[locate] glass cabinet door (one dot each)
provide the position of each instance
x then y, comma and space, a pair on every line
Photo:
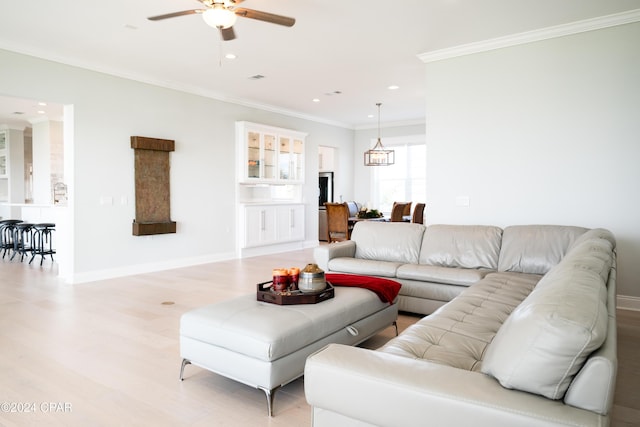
284, 160
297, 160
269, 156
253, 155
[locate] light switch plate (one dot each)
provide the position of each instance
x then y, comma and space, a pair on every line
462, 201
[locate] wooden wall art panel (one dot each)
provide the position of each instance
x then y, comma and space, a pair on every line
152, 179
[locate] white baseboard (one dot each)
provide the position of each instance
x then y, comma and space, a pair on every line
625, 302
311, 243
92, 276
270, 249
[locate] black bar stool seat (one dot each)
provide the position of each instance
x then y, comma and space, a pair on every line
22, 239
7, 230
43, 241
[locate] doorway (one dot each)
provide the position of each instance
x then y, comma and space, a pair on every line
37, 168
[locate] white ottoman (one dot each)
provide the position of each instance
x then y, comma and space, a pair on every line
265, 345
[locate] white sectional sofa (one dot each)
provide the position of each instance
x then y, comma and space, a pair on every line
523, 332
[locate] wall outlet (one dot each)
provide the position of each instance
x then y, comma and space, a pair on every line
106, 200
462, 201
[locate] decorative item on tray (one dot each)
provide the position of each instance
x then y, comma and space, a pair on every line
295, 286
280, 279
369, 213
294, 277
285, 279
312, 279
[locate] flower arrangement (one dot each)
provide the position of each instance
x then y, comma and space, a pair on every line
369, 213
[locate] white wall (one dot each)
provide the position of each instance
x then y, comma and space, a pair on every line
107, 111
41, 154
547, 132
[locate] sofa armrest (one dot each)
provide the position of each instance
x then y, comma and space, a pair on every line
388, 390
323, 253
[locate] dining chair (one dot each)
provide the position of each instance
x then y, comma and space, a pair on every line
353, 208
418, 213
397, 211
337, 222
407, 209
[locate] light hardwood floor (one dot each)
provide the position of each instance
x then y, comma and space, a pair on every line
106, 353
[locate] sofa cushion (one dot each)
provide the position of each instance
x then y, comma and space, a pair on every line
429, 291
368, 267
546, 340
595, 233
388, 241
465, 246
448, 275
457, 333
535, 249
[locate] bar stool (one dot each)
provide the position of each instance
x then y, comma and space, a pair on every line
7, 229
22, 239
43, 241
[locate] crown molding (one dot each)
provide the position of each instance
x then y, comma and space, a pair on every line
11, 126
143, 78
533, 36
388, 125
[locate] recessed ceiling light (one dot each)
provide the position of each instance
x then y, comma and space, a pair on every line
370, 116
41, 112
316, 100
42, 104
230, 56
393, 87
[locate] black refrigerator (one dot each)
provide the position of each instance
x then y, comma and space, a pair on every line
325, 194
325, 184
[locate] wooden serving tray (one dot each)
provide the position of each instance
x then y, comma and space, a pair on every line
265, 294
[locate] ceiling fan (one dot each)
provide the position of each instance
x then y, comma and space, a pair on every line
222, 14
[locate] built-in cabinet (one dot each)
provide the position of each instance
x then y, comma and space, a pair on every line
11, 166
270, 178
269, 154
272, 224
4, 178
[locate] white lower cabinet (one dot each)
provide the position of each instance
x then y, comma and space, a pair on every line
260, 226
272, 224
290, 224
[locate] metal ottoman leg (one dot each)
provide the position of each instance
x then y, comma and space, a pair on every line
270, 396
185, 362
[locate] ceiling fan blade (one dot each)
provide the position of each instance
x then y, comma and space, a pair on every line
265, 16
175, 14
227, 33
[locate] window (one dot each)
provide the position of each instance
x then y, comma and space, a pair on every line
404, 181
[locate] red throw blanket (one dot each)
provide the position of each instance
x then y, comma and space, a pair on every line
386, 289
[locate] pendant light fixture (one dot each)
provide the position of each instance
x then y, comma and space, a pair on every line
378, 155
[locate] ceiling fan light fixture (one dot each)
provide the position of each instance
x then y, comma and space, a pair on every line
378, 155
218, 16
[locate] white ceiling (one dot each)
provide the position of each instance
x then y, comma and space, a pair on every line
355, 47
